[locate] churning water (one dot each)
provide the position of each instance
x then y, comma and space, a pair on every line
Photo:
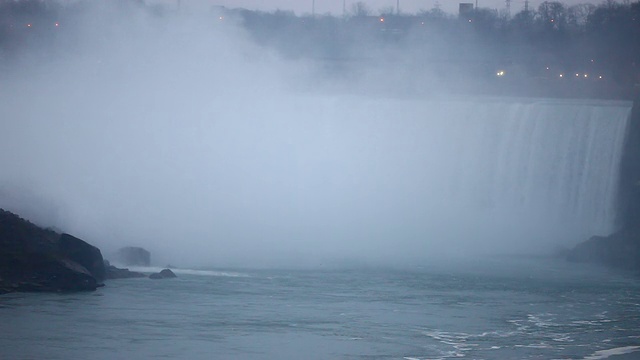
501, 308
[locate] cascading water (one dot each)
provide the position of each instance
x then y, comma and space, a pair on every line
325, 176
522, 174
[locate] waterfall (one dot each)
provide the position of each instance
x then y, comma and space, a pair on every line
524, 172
328, 175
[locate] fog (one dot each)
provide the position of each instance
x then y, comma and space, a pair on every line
181, 135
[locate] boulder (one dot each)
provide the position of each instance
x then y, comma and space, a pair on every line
113, 272
164, 274
84, 254
133, 256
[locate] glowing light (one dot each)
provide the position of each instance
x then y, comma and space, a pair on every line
586, 75
57, 24
547, 68
561, 75
381, 19
28, 25
470, 20
600, 77
577, 74
221, 18
500, 73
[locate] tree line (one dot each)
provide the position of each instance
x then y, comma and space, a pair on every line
554, 41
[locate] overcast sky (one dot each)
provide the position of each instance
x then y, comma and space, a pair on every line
335, 6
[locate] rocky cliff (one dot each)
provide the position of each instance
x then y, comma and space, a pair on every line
37, 259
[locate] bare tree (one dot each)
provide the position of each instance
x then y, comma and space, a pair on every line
434, 13
360, 9
552, 15
578, 14
387, 11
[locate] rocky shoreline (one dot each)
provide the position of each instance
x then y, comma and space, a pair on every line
33, 259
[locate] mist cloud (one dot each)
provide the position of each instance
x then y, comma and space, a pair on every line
179, 134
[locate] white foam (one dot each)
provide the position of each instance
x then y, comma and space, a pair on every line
152, 269
562, 338
605, 354
541, 345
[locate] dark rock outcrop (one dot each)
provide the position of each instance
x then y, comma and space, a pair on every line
44, 272
84, 254
164, 274
113, 272
620, 250
133, 256
35, 259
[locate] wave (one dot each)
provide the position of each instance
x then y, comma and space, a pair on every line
605, 354
154, 269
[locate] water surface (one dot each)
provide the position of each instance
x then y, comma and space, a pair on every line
501, 308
